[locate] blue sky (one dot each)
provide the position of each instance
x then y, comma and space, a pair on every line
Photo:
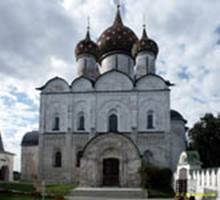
38, 39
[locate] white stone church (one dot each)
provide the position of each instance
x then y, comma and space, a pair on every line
112, 119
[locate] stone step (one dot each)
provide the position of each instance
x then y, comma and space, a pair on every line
107, 193
101, 198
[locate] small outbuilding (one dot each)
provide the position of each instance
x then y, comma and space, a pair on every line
6, 163
29, 156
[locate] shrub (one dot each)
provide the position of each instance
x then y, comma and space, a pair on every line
157, 178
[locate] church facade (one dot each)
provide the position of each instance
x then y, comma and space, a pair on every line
112, 119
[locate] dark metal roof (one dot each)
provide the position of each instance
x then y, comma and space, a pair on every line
86, 46
145, 44
116, 38
30, 139
174, 115
51, 80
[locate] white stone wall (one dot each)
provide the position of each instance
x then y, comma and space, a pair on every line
51, 144
178, 144
205, 180
153, 100
155, 143
54, 104
201, 181
29, 162
113, 92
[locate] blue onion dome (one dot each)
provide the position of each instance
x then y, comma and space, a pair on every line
145, 44
86, 46
116, 38
30, 139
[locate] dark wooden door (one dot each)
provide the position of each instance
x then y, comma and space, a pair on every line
4, 173
181, 186
111, 172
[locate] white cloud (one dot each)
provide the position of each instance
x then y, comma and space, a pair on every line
38, 41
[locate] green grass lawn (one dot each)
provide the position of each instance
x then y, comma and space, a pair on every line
21, 187
18, 197
59, 190
51, 190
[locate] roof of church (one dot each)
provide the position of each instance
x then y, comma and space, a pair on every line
30, 139
2, 150
175, 115
117, 37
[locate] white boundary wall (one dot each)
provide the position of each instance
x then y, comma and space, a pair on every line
200, 182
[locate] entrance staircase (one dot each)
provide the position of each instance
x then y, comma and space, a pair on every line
107, 194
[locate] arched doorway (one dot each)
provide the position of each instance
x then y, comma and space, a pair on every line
111, 172
110, 159
4, 173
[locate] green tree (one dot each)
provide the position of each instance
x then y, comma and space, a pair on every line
205, 138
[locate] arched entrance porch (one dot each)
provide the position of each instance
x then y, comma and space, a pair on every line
110, 160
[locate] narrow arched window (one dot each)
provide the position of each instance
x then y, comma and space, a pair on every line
58, 159
150, 120
116, 62
113, 123
78, 158
81, 122
56, 123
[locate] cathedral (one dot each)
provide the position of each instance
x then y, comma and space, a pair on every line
114, 117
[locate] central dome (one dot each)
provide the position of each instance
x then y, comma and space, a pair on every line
117, 38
